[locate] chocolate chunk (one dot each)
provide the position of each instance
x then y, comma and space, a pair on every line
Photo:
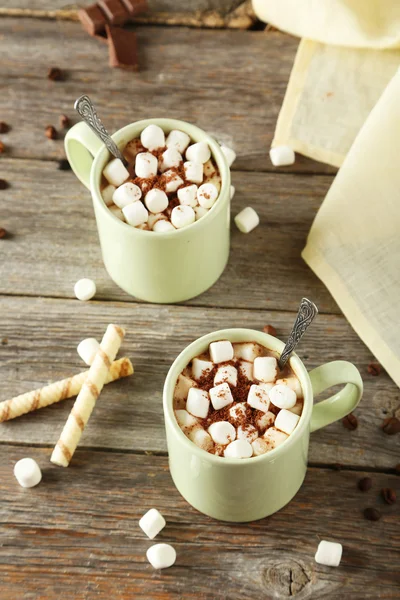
51, 132
365, 484
122, 48
350, 422
55, 74
374, 369
391, 426
4, 128
389, 495
114, 11
92, 19
372, 514
3, 232
135, 7
3, 184
270, 329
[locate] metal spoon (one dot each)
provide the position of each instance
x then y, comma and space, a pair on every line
306, 315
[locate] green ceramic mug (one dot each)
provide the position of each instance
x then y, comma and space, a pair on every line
242, 490
157, 267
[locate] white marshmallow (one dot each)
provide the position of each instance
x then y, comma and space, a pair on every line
293, 383
152, 523
156, 200
182, 387
247, 351
170, 158
172, 181
286, 421
227, 373
265, 368
186, 421
297, 408
282, 396
230, 154
135, 214
200, 367
117, 212
222, 432
188, 195
221, 396
198, 402
115, 172
161, 556
163, 226
85, 289
260, 446
246, 369
232, 191
154, 217
152, 137
239, 449
265, 421
266, 386
329, 553
274, 437
247, 220
248, 433
178, 140
126, 194
281, 156
201, 438
258, 398
209, 170
199, 152
27, 472
200, 212
221, 351
182, 216
237, 412
193, 171
107, 194
146, 165
207, 195
87, 350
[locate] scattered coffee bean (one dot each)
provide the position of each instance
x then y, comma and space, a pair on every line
64, 165
3, 184
3, 232
270, 329
4, 341
391, 426
55, 74
4, 128
389, 495
64, 121
374, 369
372, 514
350, 422
2, 147
51, 132
365, 484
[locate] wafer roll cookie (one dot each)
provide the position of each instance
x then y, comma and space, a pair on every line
90, 391
59, 390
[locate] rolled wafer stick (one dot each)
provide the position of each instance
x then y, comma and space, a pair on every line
90, 391
59, 390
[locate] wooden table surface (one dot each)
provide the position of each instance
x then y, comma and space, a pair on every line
76, 535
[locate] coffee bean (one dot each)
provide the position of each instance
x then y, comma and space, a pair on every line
270, 329
3, 232
350, 422
55, 74
51, 132
3, 184
372, 514
374, 369
64, 165
388, 495
391, 426
64, 121
365, 484
4, 128
2, 147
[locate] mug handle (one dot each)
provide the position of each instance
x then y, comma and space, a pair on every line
341, 404
81, 145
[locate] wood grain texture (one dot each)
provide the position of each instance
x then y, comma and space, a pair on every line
77, 532
43, 335
232, 85
55, 241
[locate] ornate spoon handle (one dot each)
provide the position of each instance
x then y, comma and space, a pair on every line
87, 111
306, 315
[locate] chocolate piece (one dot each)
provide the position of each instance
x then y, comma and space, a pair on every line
4, 127
51, 132
122, 48
135, 7
92, 19
114, 11
55, 74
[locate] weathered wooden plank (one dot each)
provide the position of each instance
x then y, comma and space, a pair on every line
235, 92
43, 335
76, 535
55, 241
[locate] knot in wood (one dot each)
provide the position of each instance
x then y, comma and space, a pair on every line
288, 578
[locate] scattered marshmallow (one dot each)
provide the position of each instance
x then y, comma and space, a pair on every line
239, 449
237, 412
247, 220
198, 402
87, 350
286, 421
154, 217
246, 369
227, 373
126, 194
115, 172
188, 195
178, 140
221, 396
221, 351
107, 194
232, 191
193, 171
265, 368
293, 383
297, 408
258, 398
207, 195
152, 523
329, 553
230, 155
186, 421
200, 367
200, 212
198, 153
222, 432
152, 137
85, 289
266, 420
117, 212
182, 387
146, 165
170, 158
135, 214
172, 181
163, 226
281, 156
201, 438
247, 351
27, 472
182, 216
274, 437
156, 201
248, 433
161, 556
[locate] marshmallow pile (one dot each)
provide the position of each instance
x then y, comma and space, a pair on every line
232, 401
177, 182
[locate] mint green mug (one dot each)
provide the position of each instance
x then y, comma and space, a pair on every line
157, 267
248, 489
